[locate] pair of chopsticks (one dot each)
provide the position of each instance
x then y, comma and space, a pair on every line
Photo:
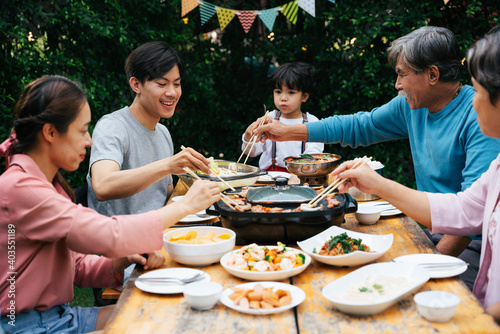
228, 201
215, 173
336, 182
253, 139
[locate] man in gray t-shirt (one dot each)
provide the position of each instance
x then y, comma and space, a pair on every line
132, 160
121, 138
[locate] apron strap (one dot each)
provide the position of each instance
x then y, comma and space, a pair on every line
273, 157
304, 121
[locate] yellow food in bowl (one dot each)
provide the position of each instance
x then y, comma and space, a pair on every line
192, 238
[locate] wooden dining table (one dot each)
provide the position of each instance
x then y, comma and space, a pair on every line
141, 312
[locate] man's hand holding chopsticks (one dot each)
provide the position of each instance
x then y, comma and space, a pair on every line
188, 157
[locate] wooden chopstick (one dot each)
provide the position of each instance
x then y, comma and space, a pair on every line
215, 173
337, 182
252, 141
225, 199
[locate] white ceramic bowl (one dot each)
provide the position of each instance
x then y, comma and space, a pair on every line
199, 255
265, 275
437, 306
202, 295
379, 244
415, 276
367, 214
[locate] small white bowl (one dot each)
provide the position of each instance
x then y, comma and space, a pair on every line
367, 214
199, 255
202, 295
437, 306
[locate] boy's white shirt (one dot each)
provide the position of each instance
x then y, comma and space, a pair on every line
283, 149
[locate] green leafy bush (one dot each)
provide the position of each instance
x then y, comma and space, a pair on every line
225, 85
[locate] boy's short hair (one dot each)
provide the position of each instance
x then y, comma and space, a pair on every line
151, 61
298, 76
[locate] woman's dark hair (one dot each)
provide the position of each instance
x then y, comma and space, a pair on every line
298, 76
50, 99
483, 59
151, 61
428, 46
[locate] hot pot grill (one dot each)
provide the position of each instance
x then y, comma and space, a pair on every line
288, 227
311, 172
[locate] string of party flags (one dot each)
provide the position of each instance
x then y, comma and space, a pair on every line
247, 17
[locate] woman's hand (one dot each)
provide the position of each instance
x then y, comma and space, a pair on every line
151, 260
364, 178
201, 195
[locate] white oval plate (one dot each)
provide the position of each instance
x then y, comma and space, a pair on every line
265, 275
386, 208
435, 258
298, 296
379, 244
412, 273
168, 288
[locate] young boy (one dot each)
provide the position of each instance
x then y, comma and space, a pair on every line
292, 84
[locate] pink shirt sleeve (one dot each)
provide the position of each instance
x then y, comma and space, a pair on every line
462, 213
45, 215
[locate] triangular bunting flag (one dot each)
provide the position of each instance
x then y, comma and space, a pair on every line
446, 1
225, 16
207, 10
309, 6
332, 1
290, 11
268, 16
187, 6
246, 18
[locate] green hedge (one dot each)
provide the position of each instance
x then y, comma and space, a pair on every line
225, 84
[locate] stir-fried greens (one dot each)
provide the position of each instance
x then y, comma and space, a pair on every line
342, 244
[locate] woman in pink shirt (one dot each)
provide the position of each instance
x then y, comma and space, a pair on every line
48, 242
477, 209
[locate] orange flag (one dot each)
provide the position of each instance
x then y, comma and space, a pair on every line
187, 6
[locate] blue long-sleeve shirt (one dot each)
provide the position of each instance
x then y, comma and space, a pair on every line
448, 149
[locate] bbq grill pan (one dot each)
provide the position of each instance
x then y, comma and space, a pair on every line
287, 227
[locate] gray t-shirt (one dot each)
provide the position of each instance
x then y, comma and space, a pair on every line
120, 137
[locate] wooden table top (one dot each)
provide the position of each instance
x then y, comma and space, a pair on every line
142, 312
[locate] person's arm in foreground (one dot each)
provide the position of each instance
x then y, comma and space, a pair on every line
412, 202
109, 182
275, 130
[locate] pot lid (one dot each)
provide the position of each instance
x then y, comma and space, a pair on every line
280, 193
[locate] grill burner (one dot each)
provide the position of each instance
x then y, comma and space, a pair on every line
314, 179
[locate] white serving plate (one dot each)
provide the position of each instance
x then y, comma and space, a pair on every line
168, 288
379, 244
412, 273
386, 208
298, 296
435, 272
265, 275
